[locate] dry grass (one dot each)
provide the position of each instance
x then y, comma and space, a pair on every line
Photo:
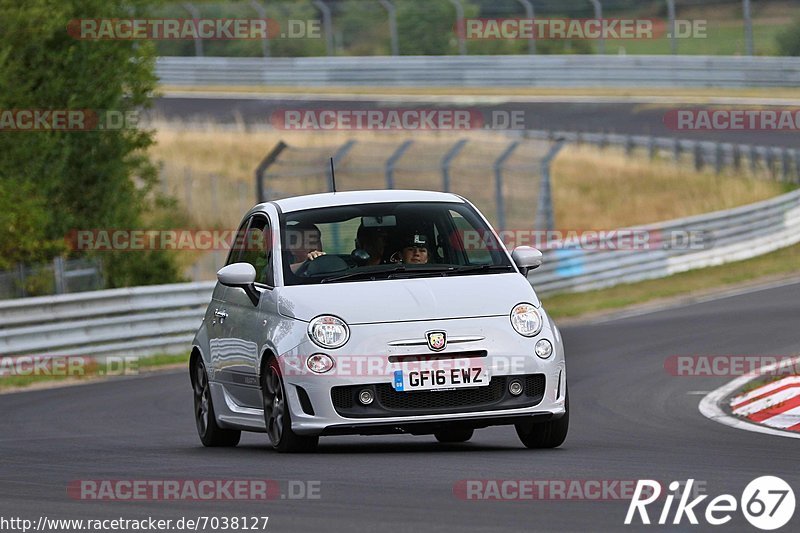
594, 189
591, 188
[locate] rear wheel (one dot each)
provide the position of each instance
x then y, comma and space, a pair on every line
454, 434
210, 433
549, 434
277, 418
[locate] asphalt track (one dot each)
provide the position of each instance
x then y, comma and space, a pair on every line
630, 420
616, 117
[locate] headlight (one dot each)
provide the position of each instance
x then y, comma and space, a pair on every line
328, 331
526, 320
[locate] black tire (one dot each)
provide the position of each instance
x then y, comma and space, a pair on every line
277, 418
210, 433
456, 434
549, 434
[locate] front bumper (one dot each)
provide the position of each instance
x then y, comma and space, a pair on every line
326, 404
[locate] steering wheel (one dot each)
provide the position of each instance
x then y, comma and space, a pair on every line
324, 264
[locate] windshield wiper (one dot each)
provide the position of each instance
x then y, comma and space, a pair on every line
389, 273
469, 269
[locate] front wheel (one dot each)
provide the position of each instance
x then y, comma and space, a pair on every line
277, 418
210, 433
549, 434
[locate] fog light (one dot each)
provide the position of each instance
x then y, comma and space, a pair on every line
544, 349
515, 388
365, 397
319, 363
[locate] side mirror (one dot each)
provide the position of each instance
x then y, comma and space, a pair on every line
242, 276
526, 258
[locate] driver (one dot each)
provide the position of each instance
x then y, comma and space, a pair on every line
304, 242
373, 241
414, 250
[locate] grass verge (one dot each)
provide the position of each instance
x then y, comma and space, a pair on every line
82, 371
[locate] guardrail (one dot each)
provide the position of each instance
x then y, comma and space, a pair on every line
483, 71
781, 162
163, 319
130, 321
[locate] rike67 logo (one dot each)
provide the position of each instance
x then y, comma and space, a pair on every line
767, 503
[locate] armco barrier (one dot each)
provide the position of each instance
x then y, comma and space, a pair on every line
484, 71
162, 319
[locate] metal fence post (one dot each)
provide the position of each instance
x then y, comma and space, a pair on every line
462, 41
528, 5
22, 277
498, 184
673, 39
195, 14
785, 165
796, 165
698, 156
214, 194
262, 13
651, 147
748, 27
718, 156
737, 157
58, 274
677, 150
545, 219
187, 187
447, 160
327, 22
270, 158
769, 159
392, 161
753, 159
598, 15
392, 13
628, 145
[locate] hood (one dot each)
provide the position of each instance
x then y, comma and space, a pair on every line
369, 302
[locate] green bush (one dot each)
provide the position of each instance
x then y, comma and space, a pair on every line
789, 40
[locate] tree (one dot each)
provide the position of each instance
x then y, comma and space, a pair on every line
789, 40
74, 179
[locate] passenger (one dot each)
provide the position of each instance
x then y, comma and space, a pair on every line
415, 249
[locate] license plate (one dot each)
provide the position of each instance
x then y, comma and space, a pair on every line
432, 379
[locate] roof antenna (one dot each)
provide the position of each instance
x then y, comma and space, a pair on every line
333, 177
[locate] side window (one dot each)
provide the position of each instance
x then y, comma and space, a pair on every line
473, 243
257, 250
238, 244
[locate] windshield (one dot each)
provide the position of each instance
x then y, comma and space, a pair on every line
387, 241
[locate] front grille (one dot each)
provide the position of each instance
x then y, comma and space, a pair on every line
392, 399
389, 402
